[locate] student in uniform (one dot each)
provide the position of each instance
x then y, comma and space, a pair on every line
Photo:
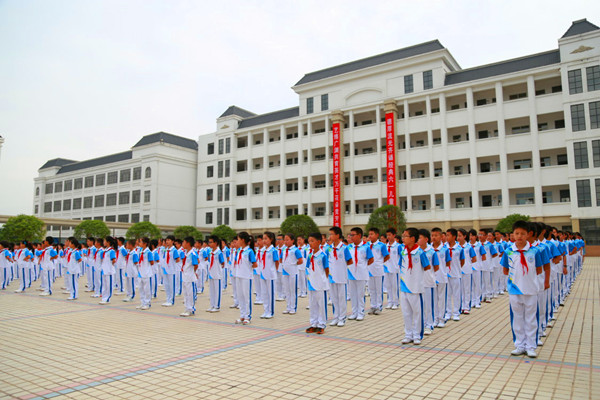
303, 247
392, 271
227, 254
477, 267
233, 272
145, 273
380, 255
246, 262
292, 261
155, 268
170, 270
5, 259
47, 258
109, 259
121, 266
317, 272
455, 260
413, 263
189, 277
279, 292
178, 272
466, 277
215, 273
256, 281
24, 259
441, 277
429, 285
339, 259
487, 267
522, 264
98, 256
358, 273
89, 264
131, 270
73, 267
269, 274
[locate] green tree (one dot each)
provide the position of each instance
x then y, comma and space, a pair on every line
91, 228
385, 217
224, 232
299, 225
181, 232
505, 224
141, 229
23, 227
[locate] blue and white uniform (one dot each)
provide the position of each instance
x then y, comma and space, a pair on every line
289, 272
318, 284
73, 268
216, 274
189, 280
391, 281
358, 275
379, 251
412, 264
338, 257
268, 276
244, 267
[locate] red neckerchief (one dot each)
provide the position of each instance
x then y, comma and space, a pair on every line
356, 254
312, 260
410, 263
212, 259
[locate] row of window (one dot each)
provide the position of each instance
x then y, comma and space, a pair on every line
581, 154
109, 178
97, 201
310, 104
592, 75
578, 116
223, 170
109, 218
222, 217
584, 192
224, 147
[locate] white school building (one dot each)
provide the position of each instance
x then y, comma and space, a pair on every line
471, 146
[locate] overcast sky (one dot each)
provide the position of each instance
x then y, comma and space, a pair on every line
81, 79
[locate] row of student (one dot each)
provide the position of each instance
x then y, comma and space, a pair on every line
375, 266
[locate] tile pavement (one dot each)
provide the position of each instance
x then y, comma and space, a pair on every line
51, 348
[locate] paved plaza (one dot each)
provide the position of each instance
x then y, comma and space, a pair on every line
54, 348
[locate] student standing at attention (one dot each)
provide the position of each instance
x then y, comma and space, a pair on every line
268, 274
216, 263
380, 255
339, 260
292, 261
317, 272
246, 263
189, 278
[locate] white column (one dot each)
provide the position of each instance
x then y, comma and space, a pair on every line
535, 145
445, 161
430, 152
381, 156
265, 141
304, 166
352, 174
408, 160
281, 169
473, 155
502, 147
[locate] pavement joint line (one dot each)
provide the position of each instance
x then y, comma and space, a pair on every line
46, 315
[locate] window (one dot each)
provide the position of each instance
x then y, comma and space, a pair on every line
309, 105
78, 183
136, 196
596, 152
324, 102
77, 204
242, 142
37, 191
595, 115
58, 187
99, 200
577, 117
557, 89
146, 196
146, 218
57, 205
524, 198
148, 174
545, 161
427, 80
559, 124
208, 219
546, 197
111, 178
459, 202
68, 186
241, 190
67, 205
240, 214
486, 200
110, 218
209, 194
220, 169
437, 172
226, 192
89, 182
124, 218
124, 198
522, 164
219, 216
137, 173
100, 179
135, 218
517, 96
48, 207
87, 202
562, 159
210, 171
458, 170
408, 84
125, 175
210, 149
565, 195
593, 77
221, 146
598, 192
227, 145
584, 194
581, 155
319, 212
575, 84
291, 161
257, 215
227, 168
485, 167
36, 209
291, 187
49, 188
111, 199
220, 193
520, 129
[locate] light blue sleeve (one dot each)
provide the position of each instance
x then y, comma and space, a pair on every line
53, 253
504, 260
123, 252
325, 261
435, 260
472, 252
369, 253
252, 256
298, 254
275, 254
462, 254
194, 259
112, 255
347, 254
136, 258
384, 250
424, 259
77, 256
221, 258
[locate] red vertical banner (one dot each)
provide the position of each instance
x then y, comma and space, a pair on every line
390, 163
337, 179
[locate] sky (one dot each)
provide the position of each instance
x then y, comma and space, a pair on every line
82, 79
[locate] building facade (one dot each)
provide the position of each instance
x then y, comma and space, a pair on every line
154, 181
471, 145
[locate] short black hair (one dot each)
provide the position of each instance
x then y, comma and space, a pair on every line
412, 232
392, 231
425, 233
190, 240
315, 235
170, 237
357, 230
520, 224
336, 230
436, 229
374, 229
452, 231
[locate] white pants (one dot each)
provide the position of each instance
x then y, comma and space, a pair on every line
97, 280
302, 281
338, 300
486, 284
390, 283
89, 273
169, 285
144, 289
376, 292
279, 285
429, 297
440, 303
257, 287
290, 287
268, 296
243, 286
465, 294
542, 310
46, 276
412, 311
356, 289
523, 314
106, 287
178, 288
453, 297
120, 280
72, 284
318, 308
189, 296
214, 286
234, 290
476, 289
25, 278
154, 285
130, 287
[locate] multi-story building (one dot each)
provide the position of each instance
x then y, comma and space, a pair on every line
472, 145
154, 181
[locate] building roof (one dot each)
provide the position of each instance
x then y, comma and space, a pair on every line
240, 112
270, 117
406, 52
167, 138
57, 162
578, 27
95, 162
503, 67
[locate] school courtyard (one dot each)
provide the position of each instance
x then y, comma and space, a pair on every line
52, 348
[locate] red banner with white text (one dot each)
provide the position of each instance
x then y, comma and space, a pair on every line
390, 145
337, 179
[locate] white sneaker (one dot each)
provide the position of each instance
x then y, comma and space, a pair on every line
517, 352
441, 324
65, 292
263, 316
292, 312
45, 294
103, 302
389, 306
341, 323
334, 322
360, 317
352, 317
406, 341
185, 314
18, 291
71, 298
550, 324
215, 310
138, 307
167, 304
543, 333
234, 306
246, 322
540, 343
455, 318
329, 302
280, 299
209, 309
427, 332
268, 316
95, 296
394, 307
477, 305
144, 307
258, 302
285, 312
376, 312
308, 307
417, 341
239, 321
127, 300
531, 354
